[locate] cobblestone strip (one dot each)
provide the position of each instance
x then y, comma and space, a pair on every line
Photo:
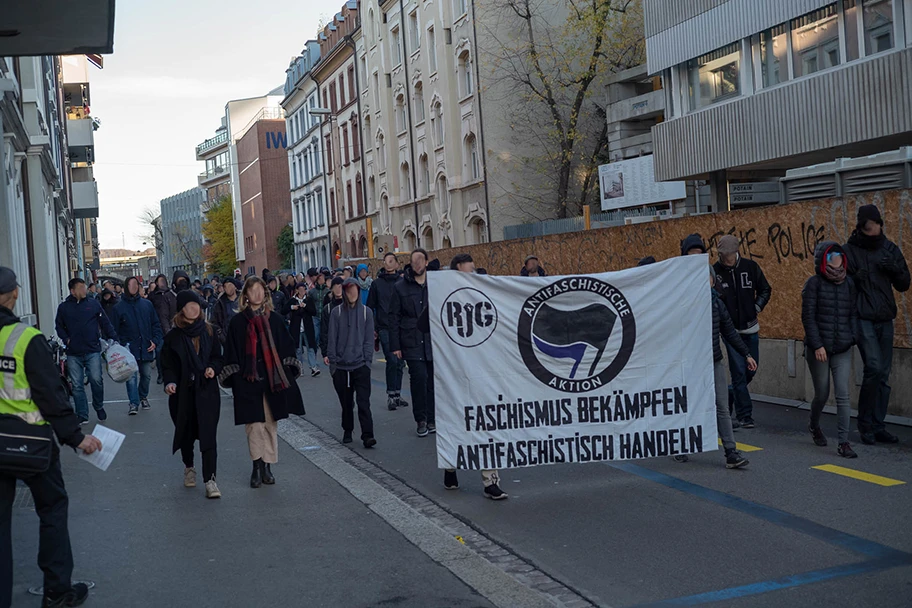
493, 552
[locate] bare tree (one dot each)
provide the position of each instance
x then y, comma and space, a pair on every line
150, 218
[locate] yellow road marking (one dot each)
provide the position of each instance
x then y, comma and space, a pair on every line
744, 447
877, 479
460, 539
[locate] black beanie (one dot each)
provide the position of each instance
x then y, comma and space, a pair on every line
868, 213
188, 295
337, 281
646, 261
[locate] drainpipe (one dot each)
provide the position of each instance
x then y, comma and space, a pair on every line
408, 117
329, 240
369, 228
481, 141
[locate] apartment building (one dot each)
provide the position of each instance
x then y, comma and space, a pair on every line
182, 232
305, 163
754, 89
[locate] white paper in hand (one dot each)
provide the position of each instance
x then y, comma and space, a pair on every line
110, 444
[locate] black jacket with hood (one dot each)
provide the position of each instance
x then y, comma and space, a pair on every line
828, 311
48, 390
380, 295
878, 267
408, 300
724, 328
744, 290
165, 303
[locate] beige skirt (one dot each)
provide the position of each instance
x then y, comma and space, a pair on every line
263, 438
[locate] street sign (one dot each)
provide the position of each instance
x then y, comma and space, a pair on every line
753, 193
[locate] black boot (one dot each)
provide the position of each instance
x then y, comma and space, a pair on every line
256, 478
266, 472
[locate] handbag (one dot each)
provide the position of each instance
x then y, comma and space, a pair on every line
25, 448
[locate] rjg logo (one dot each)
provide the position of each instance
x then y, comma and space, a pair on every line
469, 317
576, 334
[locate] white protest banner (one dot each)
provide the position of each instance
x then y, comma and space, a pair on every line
589, 368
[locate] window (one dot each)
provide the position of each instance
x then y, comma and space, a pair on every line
371, 193
320, 208
400, 114
396, 46
419, 103
774, 55
371, 34
356, 140
333, 100
316, 156
415, 33
376, 92
348, 199
479, 232
878, 26
364, 71
294, 173
714, 76
471, 155
359, 194
465, 74
432, 50
461, 7
815, 41
351, 82
345, 147
405, 184
367, 128
329, 154
381, 152
424, 175
437, 124
332, 206
341, 90
850, 21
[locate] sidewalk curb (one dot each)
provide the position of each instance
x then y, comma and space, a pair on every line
828, 409
492, 570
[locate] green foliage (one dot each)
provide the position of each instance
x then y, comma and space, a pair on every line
218, 230
285, 246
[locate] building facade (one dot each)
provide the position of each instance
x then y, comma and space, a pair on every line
182, 233
263, 189
216, 178
756, 88
305, 162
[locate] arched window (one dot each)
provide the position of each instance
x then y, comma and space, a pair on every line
353, 247
408, 240
348, 199
478, 232
437, 120
370, 27
427, 238
464, 69
381, 152
371, 193
405, 184
419, 103
424, 176
323, 257
362, 247
359, 194
473, 171
443, 194
446, 244
401, 125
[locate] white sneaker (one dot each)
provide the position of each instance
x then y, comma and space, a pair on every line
212, 490
189, 477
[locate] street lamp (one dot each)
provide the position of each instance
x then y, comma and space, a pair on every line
336, 154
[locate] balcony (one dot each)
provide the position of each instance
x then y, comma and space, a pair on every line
212, 143
81, 140
85, 199
640, 107
213, 175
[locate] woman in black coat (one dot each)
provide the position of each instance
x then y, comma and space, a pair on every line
191, 360
261, 369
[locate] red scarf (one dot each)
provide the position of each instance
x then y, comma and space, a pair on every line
259, 334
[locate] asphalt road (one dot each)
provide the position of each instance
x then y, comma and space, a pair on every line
651, 532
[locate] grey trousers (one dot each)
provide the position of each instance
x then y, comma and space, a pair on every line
841, 367
723, 416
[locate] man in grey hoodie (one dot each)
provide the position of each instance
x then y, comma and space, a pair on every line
350, 350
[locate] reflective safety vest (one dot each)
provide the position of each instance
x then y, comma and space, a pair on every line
15, 392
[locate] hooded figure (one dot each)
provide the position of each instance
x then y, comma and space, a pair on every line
180, 281
364, 281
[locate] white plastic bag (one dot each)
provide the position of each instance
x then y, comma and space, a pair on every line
119, 361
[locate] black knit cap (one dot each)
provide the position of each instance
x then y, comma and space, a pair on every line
186, 296
337, 281
869, 213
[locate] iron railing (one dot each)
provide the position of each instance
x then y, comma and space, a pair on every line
212, 142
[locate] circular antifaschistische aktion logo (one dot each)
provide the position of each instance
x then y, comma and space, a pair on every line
576, 334
469, 317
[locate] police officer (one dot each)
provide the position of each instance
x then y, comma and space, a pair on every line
43, 402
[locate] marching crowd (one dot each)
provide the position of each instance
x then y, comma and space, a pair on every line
255, 336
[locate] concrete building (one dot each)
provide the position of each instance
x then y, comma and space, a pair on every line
305, 162
342, 134
182, 233
756, 88
216, 178
263, 188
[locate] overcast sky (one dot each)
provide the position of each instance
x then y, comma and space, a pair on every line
163, 91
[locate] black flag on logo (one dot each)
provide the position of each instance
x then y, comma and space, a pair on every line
565, 334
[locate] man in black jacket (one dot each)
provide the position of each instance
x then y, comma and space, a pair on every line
408, 342
745, 292
165, 302
47, 392
878, 267
378, 300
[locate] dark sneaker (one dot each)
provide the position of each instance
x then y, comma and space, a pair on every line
735, 460
370, 442
314, 372
144, 403
347, 438
736, 425
450, 480
867, 438
681, 458
402, 402
159, 380
422, 429
391, 404
134, 409
748, 423
819, 437
74, 596
494, 492
432, 427
845, 450
885, 437
102, 414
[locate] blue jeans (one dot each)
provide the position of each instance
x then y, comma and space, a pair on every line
77, 367
304, 347
394, 365
138, 385
741, 377
876, 346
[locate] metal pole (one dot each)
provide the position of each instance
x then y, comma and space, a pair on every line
587, 217
337, 170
